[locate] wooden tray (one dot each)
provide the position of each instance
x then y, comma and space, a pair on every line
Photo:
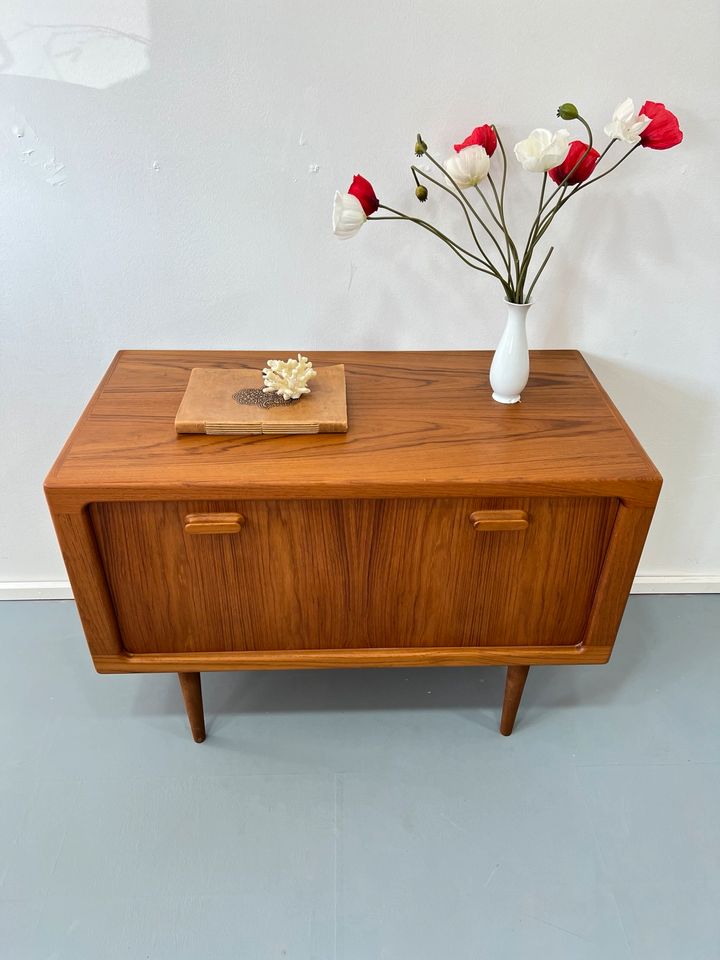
208, 405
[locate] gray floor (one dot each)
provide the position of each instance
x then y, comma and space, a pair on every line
363, 815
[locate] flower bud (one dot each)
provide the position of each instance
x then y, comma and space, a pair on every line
421, 193
420, 146
568, 111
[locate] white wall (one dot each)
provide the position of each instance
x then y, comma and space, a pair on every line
178, 193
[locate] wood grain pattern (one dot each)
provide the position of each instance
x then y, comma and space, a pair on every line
417, 429
348, 659
442, 529
352, 573
87, 575
621, 561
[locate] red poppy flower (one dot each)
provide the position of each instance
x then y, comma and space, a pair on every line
480, 137
663, 131
363, 191
582, 171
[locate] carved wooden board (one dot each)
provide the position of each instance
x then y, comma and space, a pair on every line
210, 406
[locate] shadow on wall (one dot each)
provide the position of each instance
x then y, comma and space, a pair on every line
71, 50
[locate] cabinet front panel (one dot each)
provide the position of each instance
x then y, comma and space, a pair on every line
311, 574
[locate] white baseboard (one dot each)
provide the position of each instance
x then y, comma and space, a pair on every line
677, 583
35, 590
671, 583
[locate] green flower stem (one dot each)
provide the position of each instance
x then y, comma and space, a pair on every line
547, 219
418, 172
580, 186
537, 275
502, 222
539, 227
505, 258
467, 203
564, 181
489, 232
500, 200
504, 176
529, 246
461, 252
535, 233
547, 211
510, 240
545, 224
487, 204
527, 260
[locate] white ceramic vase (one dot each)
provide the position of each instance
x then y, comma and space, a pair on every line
510, 366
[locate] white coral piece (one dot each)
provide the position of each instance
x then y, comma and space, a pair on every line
288, 378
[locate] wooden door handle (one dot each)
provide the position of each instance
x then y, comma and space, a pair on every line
213, 522
499, 520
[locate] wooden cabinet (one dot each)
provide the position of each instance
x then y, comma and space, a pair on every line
351, 574
443, 528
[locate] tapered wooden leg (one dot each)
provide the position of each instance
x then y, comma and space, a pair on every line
192, 695
514, 685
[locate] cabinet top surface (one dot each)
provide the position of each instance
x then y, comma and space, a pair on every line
420, 423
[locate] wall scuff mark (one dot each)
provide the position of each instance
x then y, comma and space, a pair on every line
37, 155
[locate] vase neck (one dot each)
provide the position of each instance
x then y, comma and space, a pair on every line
517, 312
519, 306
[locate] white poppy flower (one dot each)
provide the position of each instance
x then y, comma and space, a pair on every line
543, 150
348, 215
626, 124
468, 167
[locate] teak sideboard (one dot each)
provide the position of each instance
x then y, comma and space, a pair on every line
443, 529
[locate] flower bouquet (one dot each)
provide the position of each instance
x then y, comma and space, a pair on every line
571, 166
